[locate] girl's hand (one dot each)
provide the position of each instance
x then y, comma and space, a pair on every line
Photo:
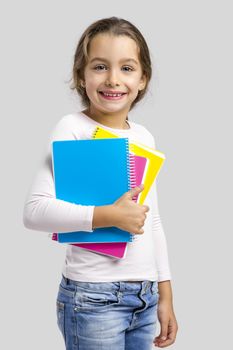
128, 215
168, 325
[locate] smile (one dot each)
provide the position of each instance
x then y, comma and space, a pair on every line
109, 96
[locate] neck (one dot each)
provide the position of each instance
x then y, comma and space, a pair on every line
112, 120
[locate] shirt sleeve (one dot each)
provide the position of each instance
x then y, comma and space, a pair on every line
42, 211
161, 251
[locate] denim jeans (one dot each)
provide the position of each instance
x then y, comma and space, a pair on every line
107, 315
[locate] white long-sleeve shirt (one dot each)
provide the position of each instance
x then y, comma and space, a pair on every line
146, 257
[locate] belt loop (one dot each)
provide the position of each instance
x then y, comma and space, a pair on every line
65, 279
120, 287
151, 287
143, 287
147, 285
154, 284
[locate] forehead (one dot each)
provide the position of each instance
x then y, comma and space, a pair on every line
113, 47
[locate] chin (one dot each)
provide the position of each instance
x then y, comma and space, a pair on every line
110, 109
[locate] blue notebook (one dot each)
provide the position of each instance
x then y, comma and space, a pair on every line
92, 172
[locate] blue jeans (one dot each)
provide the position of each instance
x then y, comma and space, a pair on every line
107, 315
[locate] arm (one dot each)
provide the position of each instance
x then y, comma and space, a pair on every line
166, 313
103, 216
42, 211
166, 316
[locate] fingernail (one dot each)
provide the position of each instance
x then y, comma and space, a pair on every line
163, 338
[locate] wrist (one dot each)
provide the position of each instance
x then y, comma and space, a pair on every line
165, 291
103, 216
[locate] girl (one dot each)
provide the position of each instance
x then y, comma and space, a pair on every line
106, 303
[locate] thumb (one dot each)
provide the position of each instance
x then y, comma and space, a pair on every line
136, 190
163, 332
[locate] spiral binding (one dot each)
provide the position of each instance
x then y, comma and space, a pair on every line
95, 132
131, 170
132, 175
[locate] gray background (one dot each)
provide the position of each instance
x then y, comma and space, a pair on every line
188, 110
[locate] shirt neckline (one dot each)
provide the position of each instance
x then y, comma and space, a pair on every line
105, 126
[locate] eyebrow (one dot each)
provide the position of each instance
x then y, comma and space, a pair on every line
122, 60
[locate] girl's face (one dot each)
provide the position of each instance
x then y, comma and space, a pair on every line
113, 67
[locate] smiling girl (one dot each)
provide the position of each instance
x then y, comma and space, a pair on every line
102, 302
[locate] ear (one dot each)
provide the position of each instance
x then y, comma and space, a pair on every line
142, 83
82, 83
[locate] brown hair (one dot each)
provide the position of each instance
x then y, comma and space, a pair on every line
116, 26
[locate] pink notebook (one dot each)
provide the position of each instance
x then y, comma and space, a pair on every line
118, 250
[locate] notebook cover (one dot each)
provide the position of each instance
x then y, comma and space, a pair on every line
115, 250
84, 171
118, 250
154, 157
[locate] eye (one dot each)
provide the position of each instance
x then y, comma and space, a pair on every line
99, 67
128, 69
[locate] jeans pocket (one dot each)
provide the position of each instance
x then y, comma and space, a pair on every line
96, 299
60, 308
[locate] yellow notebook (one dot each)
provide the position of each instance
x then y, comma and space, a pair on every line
154, 157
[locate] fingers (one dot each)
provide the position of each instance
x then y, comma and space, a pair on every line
167, 335
138, 231
135, 191
146, 208
141, 186
142, 222
164, 343
164, 331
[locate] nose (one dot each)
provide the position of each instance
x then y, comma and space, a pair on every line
112, 79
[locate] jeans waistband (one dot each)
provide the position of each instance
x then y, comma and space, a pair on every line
121, 286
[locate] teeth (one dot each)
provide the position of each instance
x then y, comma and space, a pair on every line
112, 95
